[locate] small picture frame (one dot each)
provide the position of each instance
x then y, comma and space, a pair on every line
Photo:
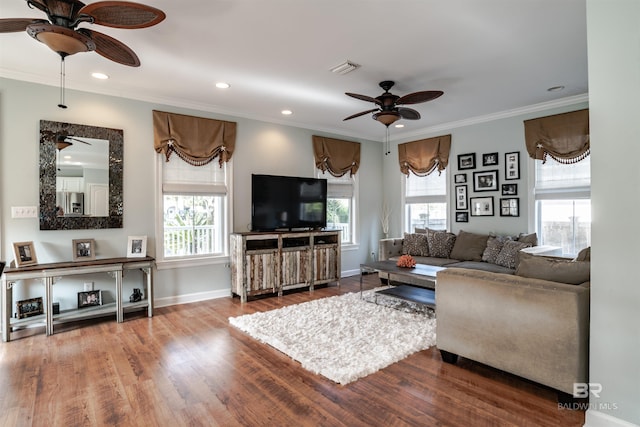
467, 161
490, 159
485, 181
29, 307
462, 216
512, 165
460, 178
137, 247
461, 197
84, 249
482, 206
510, 206
89, 298
509, 189
25, 254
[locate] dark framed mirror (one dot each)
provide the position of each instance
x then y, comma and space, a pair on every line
80, 176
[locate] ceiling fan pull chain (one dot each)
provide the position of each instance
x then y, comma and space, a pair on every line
387, 149
62, 78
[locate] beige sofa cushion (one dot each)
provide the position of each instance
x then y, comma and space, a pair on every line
554, 270
415, 244
508, 256
469, 246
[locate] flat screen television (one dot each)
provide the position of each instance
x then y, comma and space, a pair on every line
287, 203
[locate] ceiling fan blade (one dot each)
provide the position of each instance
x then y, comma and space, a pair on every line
123, 14
364, 98
360, 114
111, 48
418, 97
14, 25
408, 113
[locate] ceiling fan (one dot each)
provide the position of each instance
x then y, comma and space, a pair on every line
387, 110
62, 34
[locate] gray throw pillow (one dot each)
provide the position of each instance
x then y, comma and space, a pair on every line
508, 256
528, 238
555, 270
584, 255
469, 246
415, 244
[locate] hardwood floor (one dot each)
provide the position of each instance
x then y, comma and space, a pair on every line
188, 367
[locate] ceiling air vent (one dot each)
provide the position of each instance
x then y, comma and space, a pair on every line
344, 68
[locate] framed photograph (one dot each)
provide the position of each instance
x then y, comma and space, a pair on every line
467, 161
25, 254
510, 206
509, 189
490, 159
485, 181
84, 249
461, 197
460, 178
89, 298
512, 165
481, 206
462, 216
137, 247
29, 307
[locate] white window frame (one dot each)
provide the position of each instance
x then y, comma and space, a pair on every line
227, 226
442, 198
353, 212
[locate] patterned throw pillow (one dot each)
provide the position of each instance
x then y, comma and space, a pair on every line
508, 256
415, 244
440, 243
494, 246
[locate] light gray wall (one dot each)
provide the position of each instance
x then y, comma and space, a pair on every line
614, 93
261, 148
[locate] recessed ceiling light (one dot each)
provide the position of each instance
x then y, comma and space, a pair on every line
555, 89
100, 76
399, 125
223, 85
287, 112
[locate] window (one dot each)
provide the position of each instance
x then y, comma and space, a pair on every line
425, 201
195, 205
563, 204
341, 205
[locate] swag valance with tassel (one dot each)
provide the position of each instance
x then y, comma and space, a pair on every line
336, 156
195, 140
424, 156
564, 137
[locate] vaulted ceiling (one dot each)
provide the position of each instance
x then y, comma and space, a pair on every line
489, 57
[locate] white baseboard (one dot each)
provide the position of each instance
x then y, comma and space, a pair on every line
595, 418
349, 273
189, 298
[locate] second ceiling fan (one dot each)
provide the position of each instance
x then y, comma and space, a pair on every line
388, 111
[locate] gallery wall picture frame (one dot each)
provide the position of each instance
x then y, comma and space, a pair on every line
89, 298
467, 161
512, 165
485, 181
461, 197
29, 307
137, 247
84, 249
509, 189
460, 178
462, 216
25, 254
510, 206
481, 206
490, 159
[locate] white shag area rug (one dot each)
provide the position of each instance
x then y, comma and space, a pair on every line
344, 337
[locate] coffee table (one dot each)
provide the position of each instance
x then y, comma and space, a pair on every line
411, 293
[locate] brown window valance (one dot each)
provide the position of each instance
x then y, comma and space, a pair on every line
336, 156
425, 155
564, 137
195, 140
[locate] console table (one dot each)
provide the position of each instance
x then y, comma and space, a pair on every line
52, 272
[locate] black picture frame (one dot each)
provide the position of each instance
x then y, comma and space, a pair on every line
467, 161
481, 206
461, 197
485, 181
510, 189
510, 206
512, 165
462, 216
460, 178
29, 307
490, 159
89, 298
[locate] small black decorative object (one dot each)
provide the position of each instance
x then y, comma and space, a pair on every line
136, 295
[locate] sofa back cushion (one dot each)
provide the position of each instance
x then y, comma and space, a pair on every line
554, 270
509, 254
415, 244
469, 246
